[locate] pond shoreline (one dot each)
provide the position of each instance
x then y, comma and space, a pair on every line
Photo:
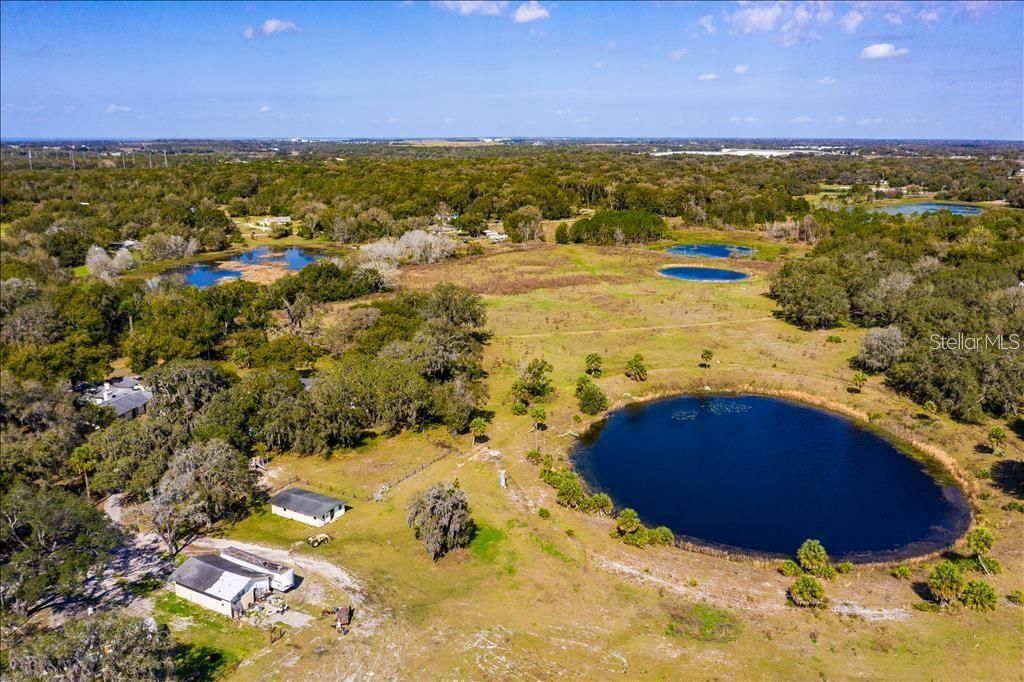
938, 465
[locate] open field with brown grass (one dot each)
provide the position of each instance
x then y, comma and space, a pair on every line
536, 598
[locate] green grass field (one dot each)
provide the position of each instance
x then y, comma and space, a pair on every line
535, 598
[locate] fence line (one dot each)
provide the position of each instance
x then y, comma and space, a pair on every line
352, 494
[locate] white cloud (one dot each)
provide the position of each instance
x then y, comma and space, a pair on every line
801, 119
894, 18
756, 18
883, 51
598, 65
269, 28
487, 8
116, 109
743, 119
707, 22
741, 69
851, 20
530, 11
676, 55
827, 80
708, 77
928, 16
840, 119
868, 121
264, 109
973, 7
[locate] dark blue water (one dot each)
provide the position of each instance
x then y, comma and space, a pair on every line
712, 250
929, 207
697, 274
203, 275
764, 474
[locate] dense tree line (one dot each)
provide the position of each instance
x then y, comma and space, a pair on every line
608, 228
72, 329
377, 192
934, 283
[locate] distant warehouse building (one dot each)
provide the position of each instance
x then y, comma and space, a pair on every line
307, 506
218, 584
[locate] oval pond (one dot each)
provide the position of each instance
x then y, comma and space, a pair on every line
929, 207
712, 250
762, 475
208, 273
693, 273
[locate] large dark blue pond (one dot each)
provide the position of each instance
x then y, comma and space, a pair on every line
929, 207
762, 474
206, 274
698, 274
712, 250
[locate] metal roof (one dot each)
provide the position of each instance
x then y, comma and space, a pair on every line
132, 400
305, 501
215, 576
230, 553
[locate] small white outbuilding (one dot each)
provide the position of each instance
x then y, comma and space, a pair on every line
282, 577
307, 506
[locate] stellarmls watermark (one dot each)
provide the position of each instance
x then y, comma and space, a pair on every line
968, 342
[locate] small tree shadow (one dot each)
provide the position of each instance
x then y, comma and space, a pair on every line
920, 588
198, 662
1008, 476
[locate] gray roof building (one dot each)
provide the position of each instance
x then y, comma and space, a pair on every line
216, 577
305, 502
126, 396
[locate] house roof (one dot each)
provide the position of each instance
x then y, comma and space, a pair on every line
122, 395
215, 576
233, 553
124, 403
305, 501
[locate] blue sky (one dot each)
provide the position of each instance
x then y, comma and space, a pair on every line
423, 69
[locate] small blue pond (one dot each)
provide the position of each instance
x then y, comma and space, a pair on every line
762, 474
712, 250
929, 207
206, 274
698, 274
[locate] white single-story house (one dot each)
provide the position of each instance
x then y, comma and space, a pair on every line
275, 221
282, 577
306, 506
220, 585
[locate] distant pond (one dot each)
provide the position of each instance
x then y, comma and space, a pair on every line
928, 207
698, 274
762, 475
263, 258
712, 250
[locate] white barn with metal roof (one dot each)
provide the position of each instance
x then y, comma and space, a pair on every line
307, 506
219, 584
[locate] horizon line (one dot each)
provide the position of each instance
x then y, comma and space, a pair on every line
461, 138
